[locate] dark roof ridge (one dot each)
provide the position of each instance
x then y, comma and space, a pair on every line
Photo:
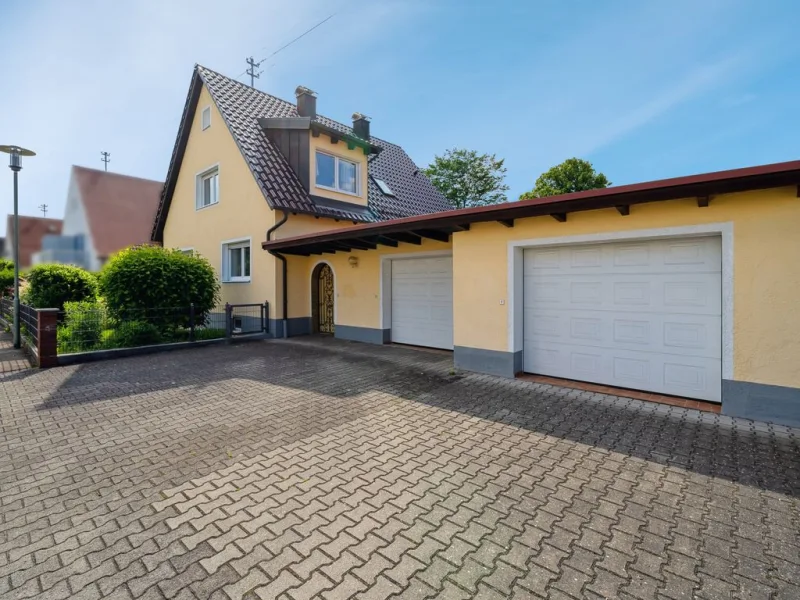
289, 102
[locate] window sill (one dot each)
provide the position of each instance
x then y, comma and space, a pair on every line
242, 280
199, 208
330, 189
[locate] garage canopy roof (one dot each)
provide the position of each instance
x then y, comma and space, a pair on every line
439, 226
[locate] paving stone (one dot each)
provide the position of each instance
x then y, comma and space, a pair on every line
376, 472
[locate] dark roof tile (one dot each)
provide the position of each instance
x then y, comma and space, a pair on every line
241, 106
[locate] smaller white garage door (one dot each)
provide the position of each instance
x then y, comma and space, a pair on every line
422, 302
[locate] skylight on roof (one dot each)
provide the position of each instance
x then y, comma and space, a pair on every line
384, 188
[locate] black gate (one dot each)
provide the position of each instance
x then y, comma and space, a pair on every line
323, 297
245, 319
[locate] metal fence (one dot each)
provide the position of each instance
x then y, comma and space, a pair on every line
246, 319
92, 328
28, 318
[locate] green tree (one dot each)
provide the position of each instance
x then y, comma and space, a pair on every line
155, 284
572, 175
50, 286
467, 178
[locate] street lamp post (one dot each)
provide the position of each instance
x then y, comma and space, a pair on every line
15, 163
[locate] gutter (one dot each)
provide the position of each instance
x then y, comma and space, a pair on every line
284, 271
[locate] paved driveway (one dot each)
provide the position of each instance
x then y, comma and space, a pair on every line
308, 469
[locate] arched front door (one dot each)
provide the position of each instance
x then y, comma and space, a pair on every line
322, 298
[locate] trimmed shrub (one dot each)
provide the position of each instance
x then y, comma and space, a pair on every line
208, 334
50, 286
6, 264
150, 279
7, 282
135, 333
82, 327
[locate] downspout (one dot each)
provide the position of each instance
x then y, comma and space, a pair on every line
284, 270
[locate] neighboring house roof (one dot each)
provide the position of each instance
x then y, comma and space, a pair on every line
31, 232
241, 106
439, 226
119, 209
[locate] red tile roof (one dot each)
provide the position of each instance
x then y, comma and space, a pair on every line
31, 232
120, 209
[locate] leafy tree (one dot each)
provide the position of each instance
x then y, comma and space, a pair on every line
50, 286
155, 285
572, 175
467, 178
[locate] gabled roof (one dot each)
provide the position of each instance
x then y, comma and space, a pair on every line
241, 107
119, 209
31, 232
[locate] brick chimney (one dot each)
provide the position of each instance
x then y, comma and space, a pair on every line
361, 126
306, 102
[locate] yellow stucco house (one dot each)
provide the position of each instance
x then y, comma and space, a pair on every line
248, 166
686, 286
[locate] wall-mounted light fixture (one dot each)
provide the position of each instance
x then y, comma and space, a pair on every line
353, 260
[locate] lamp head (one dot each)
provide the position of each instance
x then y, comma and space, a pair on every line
16, 152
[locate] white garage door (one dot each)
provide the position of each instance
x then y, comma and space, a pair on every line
422, 302
642, 315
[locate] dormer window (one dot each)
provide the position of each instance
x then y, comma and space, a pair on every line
337, 174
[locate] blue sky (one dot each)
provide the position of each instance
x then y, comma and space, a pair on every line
644, 90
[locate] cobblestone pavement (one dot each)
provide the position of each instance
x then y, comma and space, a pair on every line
11, 359
303, 469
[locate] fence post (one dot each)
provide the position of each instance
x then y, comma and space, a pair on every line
46, 337
228, 320
265, 322
191, 321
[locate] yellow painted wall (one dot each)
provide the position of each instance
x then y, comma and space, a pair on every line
241, 211
766, 242
357, 288
323, 143
303, 224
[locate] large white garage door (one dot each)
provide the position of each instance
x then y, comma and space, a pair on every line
422, 302
642, 315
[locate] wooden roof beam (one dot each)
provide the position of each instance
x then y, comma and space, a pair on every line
624, 209
703, 201
506, 222
406, 238
560, 217
433, 234
380, 239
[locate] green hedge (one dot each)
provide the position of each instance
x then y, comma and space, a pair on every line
82, 327
7, 282
146, 280
51, 286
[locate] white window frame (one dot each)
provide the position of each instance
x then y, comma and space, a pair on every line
205, 118
229, 245
335, 187
199, 179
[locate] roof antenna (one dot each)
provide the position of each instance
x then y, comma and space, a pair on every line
43, 208
252, 71
106, 159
